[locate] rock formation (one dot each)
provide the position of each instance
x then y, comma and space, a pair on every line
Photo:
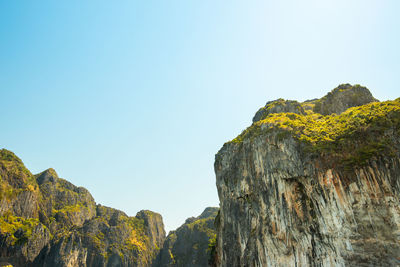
278, 106
313, 186
191, 244
47, 221
307, 184
343, 97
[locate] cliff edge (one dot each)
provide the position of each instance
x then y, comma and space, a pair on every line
313, 184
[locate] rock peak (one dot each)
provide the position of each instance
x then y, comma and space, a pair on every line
336, 101
343, 97
307, 190
192, 243
209, 212
278, 106
8, 155
49, 175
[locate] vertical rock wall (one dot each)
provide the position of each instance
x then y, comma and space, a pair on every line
280, 208
296, 190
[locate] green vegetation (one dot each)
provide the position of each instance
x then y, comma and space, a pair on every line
211, 250
356, 135
15, 177
65, 200
6, 191
203, 225
137, 239
250, 133
18, 229
69, 209
14, 165
279, 105
212, 243
6, 155
63, 208
278, 102
98, 240
52, 172
65, 187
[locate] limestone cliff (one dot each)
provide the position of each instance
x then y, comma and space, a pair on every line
191, 244
47, 221
317, 187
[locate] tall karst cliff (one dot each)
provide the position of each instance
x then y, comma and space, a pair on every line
313, 184
47, 221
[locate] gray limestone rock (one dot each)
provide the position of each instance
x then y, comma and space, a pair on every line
281, 204
343, 97
47, 221
278, 106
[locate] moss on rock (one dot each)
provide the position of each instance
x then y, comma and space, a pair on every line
17, 229
355, 136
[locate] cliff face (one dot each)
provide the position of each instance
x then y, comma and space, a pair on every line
47, 221
192, 243
299, 189
109, 239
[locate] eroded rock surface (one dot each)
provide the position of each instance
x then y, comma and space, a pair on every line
192, 243
278, 106
47, 221
312, 190
343, 97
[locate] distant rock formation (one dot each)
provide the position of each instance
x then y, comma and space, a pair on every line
47, 221
313, 185
191, 244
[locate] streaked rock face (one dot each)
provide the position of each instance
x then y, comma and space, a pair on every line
110, 239
280, 208
47, 221
281, 205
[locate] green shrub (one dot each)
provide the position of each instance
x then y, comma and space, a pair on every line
9, 225
356, 135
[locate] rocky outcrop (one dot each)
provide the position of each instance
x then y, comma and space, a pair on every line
192, 243
312, 190
343, 97
18, 188
47, 221
110, 239
154, 227
22, 234
68, 204
278, 106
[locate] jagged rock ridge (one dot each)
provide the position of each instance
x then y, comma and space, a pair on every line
337, 101
192, 243
313, 188
47, 221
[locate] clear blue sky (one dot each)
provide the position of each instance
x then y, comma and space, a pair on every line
132, 99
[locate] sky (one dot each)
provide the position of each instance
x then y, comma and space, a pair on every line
133, 99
